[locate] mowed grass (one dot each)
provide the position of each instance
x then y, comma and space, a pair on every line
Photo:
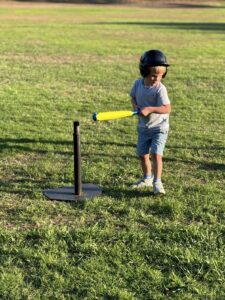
60, 63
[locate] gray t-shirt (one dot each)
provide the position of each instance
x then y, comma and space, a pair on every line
151, 96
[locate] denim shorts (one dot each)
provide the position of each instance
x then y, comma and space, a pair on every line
151, 141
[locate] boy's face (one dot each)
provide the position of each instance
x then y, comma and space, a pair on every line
155, 77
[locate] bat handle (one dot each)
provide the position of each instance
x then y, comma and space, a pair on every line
137, 111
94, 116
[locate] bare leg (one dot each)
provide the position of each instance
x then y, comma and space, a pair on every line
157, 165
146, 164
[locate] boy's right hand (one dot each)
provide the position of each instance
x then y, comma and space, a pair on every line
146, 111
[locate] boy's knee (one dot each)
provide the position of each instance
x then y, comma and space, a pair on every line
144, 156
156, 156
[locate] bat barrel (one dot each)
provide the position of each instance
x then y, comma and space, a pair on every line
113, 115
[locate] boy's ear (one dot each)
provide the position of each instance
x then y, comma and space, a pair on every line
164, 75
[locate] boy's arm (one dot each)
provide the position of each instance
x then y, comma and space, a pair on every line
163, 109
133, 103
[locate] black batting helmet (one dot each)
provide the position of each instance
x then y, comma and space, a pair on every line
152, 58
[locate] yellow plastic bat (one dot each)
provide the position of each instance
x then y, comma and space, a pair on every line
113, 115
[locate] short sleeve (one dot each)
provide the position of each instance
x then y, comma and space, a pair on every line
162, 96
133, 90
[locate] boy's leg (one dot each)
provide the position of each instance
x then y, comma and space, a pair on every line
157, 165
157, 169
146, 165
147, 179
157, 148
143, 147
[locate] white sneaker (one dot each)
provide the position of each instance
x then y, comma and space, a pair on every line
143, 183
158, 188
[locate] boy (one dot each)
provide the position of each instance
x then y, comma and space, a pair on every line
149, 95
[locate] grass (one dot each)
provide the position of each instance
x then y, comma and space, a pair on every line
60, 63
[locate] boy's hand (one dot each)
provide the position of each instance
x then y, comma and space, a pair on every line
146, 111
163, 109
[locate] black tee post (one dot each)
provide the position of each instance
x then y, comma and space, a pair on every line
79, 191
77, 159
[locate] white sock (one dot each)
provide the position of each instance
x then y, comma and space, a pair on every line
158, 180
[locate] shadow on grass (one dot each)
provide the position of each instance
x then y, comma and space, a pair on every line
162, 210
31, 146
108, 143
119, 193
157, 204
23, 184
158, 4
213, 166
209, 166
212, 26
77, 1
22, 145
198, 4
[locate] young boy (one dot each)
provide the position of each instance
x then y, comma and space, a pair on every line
149, 95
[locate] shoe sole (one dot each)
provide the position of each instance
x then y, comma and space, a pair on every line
141, 187
159, 193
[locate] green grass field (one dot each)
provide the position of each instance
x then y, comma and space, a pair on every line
60, 63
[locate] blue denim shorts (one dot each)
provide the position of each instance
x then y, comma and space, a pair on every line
151, 141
